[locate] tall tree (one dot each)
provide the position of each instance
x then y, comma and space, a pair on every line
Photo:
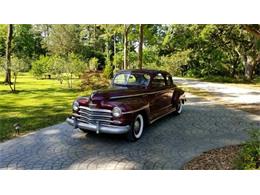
252, 57
63, 39
126, 30
140, 48
8, 54
109, 32
253, 29
3, 35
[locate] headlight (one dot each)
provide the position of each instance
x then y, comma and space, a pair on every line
75, 106
116, 112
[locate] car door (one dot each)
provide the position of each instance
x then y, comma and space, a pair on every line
159, 96
170, 88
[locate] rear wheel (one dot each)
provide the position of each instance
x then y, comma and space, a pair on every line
137, 127
179, 107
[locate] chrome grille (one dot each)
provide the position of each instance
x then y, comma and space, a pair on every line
94, 115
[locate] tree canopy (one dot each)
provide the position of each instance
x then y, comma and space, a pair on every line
187, 50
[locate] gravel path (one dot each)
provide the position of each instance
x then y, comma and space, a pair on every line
231, 94
167, 144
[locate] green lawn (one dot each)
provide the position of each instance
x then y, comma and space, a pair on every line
38, 104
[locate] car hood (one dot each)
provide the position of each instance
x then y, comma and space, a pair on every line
115, 92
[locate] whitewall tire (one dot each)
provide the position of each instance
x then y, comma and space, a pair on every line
179, 107
137, 128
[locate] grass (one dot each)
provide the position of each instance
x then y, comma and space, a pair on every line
39, 103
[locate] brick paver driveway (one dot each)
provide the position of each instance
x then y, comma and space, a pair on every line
167, 144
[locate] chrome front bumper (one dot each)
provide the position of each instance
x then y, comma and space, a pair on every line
98, 128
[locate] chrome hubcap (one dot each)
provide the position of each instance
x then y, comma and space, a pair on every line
137, 126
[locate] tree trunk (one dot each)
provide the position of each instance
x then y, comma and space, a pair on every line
126, 46
235, 64
249, 63
114, 43
95, 37
140, 49
108, 62
249, 68
15, 77
8, 54
254, 31
233, 71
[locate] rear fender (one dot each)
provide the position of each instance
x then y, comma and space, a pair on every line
178, 94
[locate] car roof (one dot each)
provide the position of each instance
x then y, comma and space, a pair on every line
147, 71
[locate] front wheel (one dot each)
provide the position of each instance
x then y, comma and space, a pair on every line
137, 127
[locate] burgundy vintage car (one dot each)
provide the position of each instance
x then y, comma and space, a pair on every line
135, 99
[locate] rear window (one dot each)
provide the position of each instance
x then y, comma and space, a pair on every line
169, 80
158, 81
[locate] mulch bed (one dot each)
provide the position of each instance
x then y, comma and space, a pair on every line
216, 159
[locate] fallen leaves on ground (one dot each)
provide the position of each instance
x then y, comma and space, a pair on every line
216, 159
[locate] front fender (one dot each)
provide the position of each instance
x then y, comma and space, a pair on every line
131, 106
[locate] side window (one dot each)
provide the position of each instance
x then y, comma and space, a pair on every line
120, 79
169, 80
158, 81
132, 80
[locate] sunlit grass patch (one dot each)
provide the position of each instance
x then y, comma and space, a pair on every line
38, 103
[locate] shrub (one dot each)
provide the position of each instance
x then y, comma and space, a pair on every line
41, 66
118, 60
57, 67
2, 63
93, 64
108, 71
73, 65
176, 63
249, 156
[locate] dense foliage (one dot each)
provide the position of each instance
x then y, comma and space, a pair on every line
63, 51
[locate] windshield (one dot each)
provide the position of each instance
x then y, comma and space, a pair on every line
132, 79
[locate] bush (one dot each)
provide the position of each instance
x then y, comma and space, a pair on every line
175, 64
2, 63
18, 65
93, 64
118, 60
41, 66
249, 156
57, 67
73, 65
108, 71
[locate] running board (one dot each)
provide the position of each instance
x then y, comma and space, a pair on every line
171, 111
